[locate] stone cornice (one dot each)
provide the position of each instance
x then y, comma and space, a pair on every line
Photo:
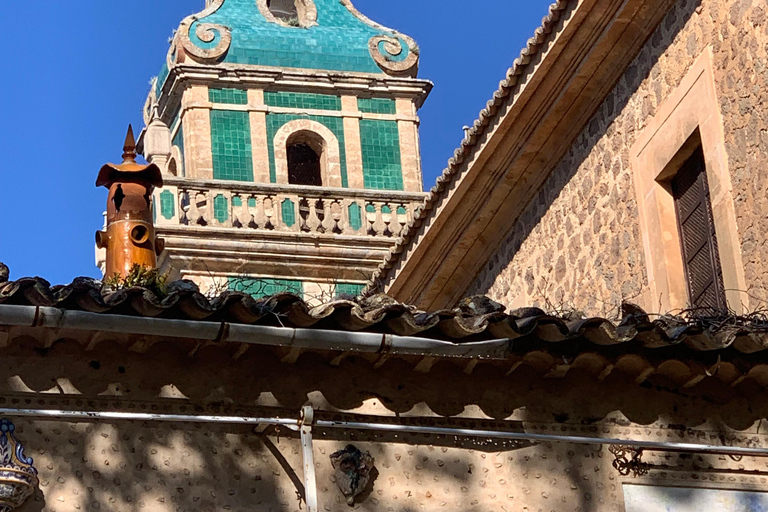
266, 109
224, 251
560, 80
317, 81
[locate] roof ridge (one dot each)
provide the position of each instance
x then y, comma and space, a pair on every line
492, 108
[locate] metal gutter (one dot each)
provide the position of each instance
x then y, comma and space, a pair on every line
314, 339
296, 424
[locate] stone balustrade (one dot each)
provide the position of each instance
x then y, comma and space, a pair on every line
284, 208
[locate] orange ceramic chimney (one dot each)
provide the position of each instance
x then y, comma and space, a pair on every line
130, 236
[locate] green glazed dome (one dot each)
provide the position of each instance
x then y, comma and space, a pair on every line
326, 35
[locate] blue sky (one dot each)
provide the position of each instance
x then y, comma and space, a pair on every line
74, 74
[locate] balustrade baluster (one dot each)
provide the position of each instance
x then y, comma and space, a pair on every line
237, 208
386, 218
376, 225
183, 199
255, 208
197, 203
314, 224
226, 207
271, 215
205, 207
336, 216
380, 226
303, 214
324, 214
399, 219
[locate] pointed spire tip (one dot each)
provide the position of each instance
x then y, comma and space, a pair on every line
129, 148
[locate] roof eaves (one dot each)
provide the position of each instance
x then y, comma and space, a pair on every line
477, 319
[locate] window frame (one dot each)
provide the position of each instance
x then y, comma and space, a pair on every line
307, 130
661, 147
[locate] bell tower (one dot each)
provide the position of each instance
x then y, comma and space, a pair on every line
287, 135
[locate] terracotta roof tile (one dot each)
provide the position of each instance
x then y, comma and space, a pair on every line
476, 319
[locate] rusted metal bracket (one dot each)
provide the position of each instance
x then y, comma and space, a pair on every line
629, 459
310, 481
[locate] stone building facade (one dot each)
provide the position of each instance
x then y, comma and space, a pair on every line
583, 225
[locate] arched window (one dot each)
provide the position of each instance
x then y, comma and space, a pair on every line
173, 167
284, 9
305, 159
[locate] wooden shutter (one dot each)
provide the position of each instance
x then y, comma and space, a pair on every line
697, 235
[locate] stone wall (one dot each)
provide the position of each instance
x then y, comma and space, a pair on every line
578, 245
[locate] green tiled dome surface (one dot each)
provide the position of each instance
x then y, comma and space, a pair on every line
338, 42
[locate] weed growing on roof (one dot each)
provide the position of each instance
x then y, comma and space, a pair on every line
140, 277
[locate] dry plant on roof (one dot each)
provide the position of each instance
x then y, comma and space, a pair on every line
140, 277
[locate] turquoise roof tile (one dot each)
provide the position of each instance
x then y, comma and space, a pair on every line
339, 40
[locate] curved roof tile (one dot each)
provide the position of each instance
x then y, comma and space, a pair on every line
476, 318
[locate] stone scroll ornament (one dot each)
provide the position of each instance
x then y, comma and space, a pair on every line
18, 476
205, 32
352, 471
395, 53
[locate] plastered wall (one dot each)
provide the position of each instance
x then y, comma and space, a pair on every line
579, 245
126, 466
147, 465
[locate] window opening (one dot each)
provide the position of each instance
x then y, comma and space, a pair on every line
285, 10
304, 165
173, 168
696, 226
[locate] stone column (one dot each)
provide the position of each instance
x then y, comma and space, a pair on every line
352, 143
410, 154
259, 143
197, 132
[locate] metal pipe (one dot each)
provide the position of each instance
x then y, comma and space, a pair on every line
523, 436
350, 341
141, 416
294, 424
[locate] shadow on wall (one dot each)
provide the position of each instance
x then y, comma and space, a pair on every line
598, 240
170, 467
